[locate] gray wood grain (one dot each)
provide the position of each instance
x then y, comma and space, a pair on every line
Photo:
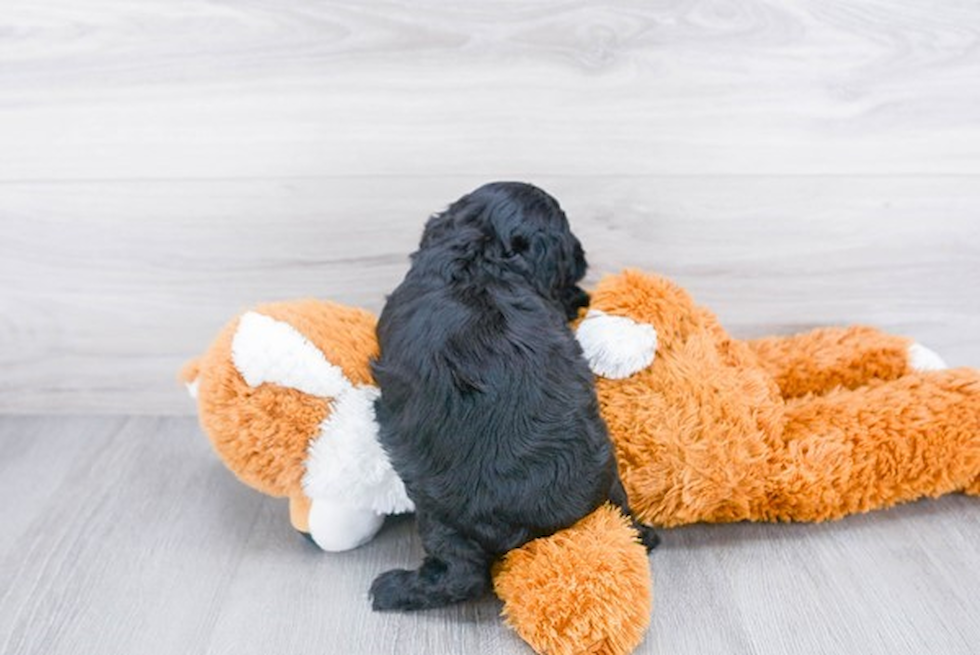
125, 535
165, 165
107, 287
265, 89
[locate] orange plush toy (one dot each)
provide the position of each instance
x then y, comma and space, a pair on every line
802, 428
707, 428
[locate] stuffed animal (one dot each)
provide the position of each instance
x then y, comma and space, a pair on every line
285, 395
706, 428
802, 428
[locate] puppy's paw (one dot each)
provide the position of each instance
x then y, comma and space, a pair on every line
648, 537
394, 590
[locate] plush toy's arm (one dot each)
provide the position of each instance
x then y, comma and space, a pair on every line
586, 589
820, 360
616, 347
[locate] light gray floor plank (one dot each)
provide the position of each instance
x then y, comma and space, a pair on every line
107, 287
113, 559
127, 536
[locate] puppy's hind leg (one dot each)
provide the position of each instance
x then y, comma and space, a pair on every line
617, 496
455, 569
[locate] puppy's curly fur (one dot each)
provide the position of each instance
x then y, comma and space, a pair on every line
487, 407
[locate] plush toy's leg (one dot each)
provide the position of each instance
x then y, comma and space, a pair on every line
856, 450
586, 589
820, 360
299, 512
455, 569
336, 526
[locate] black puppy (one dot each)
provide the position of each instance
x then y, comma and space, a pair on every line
487, 406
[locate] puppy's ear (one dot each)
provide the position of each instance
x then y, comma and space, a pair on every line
515, 246
547, 264
573, 299
436, 228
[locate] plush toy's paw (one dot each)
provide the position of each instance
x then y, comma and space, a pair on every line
616, 347
337, 527
925, 359
581, 590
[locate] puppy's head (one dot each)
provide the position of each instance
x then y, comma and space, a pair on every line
515, 228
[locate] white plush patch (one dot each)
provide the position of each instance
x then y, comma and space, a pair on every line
346, 461
266, 350
616, 347
337, 526
925, 359
192, 387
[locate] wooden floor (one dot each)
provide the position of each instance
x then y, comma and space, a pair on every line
125, 535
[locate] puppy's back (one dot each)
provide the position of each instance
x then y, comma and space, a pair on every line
488, 410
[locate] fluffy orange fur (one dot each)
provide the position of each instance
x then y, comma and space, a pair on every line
802, 428
582, 590
262, 433
818, 361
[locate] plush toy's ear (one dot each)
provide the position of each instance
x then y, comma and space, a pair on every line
616, 347
189, 374
266, 350
586, 589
